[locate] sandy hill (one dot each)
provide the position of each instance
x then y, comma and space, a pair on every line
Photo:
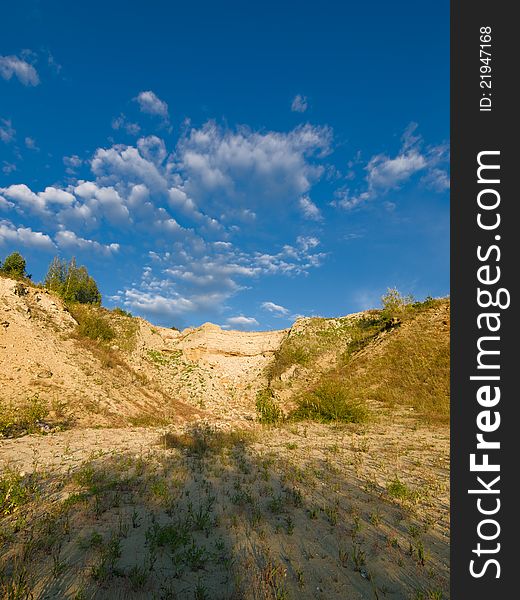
144, 374
96, 367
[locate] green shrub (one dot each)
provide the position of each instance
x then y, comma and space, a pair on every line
291, 352
266, 407
121, 312
394, 303
92, 323
330, 401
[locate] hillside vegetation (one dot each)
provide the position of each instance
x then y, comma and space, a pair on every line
341, 369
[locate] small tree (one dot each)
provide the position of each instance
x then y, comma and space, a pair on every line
56, 275
394, 302
14, 266
71, 282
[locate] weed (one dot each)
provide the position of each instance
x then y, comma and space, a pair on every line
24, 418
91, 323
399, 490
330, 401
358, 557
267, 410
331, 512
16, 490
276, 504
138, 576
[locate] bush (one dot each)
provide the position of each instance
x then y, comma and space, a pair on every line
71, 282
14, 266
394, 303
267, 409
121, 312
91, 323
330, 401
290, 353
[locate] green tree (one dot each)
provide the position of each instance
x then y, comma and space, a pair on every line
56, 275
14, 266
72, 283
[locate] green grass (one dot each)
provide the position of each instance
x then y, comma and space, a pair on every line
92, 323
397, 356
330, 401
413, 366
16, 490
22, 419
267, 409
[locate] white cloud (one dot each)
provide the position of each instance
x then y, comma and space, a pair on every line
242, 323
437, 179
69, 240
165, 201
152, 104
7, 132
123, 165
299, 104
244, 168
276, 309
122, 122
25, 198
72, 163
157, 304
152, 148
388, 173
385, 173
25, 236
22, 70
309, 209
53, 195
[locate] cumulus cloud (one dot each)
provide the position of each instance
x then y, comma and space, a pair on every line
14, 66
299, 104
242, 323
207, 274
7, 132
184, 207
70, 241
244, 166
152, 148
53, 195
437, 179
151, 104
276, 309
388, 173
24, 198
25, 236
157, 304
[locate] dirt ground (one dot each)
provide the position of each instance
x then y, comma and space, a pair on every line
307, 510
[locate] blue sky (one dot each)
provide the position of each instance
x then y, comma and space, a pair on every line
234, 162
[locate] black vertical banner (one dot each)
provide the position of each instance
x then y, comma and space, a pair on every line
485, 343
